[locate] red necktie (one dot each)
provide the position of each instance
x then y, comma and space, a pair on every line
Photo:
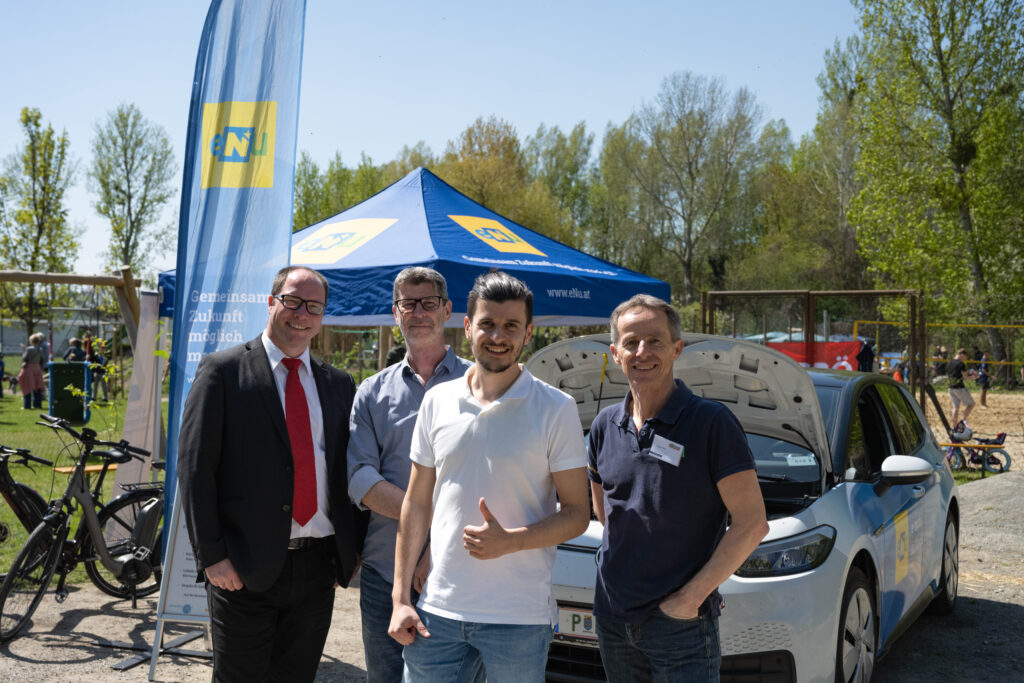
296, 412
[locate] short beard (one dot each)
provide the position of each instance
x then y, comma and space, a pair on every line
496, 367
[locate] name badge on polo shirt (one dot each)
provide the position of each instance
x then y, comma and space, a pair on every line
667, 451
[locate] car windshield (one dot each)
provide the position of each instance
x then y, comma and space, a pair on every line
779, 460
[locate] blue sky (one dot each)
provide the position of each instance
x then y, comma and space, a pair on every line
377, 76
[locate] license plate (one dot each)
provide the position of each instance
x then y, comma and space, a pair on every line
576, 623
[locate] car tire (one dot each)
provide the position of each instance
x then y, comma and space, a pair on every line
949, 577
857, 641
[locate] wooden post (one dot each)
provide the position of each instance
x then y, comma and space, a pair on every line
809, 328
385, 341
923, 328
912, 345
128, 302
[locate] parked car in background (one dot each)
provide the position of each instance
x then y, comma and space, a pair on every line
862, 508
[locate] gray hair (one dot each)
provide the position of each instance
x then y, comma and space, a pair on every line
651, 303
418, 275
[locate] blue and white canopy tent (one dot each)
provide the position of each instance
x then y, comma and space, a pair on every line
422, 221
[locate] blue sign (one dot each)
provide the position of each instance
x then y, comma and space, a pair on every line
236, 200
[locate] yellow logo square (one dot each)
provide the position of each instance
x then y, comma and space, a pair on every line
238, 144
901, 532
496, 235
334, 241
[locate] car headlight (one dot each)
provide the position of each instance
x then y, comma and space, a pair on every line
791, 555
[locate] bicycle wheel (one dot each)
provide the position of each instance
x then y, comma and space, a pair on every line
956, 459
116, 523
997, 460
29, 577
13, 531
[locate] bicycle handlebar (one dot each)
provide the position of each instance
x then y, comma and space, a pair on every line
23, 456
88, 436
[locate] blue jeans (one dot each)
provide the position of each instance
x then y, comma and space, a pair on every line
383, 653
660, 649
462, 651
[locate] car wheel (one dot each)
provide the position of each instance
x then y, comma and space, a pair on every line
949, 580
858, 630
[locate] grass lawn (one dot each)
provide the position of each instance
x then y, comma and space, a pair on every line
18, 430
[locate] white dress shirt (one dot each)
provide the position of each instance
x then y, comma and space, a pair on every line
320, 524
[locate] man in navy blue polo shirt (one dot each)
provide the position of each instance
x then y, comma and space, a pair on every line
666, 468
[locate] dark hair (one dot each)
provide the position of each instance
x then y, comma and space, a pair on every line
651, 303
283, 274
498, 286
418, 275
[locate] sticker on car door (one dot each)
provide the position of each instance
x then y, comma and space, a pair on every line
902, 536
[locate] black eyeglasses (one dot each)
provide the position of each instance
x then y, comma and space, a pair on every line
429, 304
294, 303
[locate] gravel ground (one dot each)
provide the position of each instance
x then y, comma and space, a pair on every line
978, 642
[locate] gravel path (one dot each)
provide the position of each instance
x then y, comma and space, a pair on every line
978, 642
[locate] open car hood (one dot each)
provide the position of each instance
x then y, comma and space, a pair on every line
767, 391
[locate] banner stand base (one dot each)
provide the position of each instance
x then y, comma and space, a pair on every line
172, 647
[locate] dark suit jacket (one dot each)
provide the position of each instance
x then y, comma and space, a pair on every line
235, 464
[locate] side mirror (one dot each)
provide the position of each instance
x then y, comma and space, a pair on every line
905, 469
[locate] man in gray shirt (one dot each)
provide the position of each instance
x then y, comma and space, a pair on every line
383, 417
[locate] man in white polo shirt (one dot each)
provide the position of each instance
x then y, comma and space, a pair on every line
490, 453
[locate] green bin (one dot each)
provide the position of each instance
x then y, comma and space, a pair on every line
63, 403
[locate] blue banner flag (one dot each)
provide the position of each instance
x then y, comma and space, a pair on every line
236, 201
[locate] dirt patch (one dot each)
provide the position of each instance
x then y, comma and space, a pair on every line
71, 642
1005, 413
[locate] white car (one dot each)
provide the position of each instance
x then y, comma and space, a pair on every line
862, 510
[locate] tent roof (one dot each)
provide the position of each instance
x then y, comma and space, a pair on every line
421, 220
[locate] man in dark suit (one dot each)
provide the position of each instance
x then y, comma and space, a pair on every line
263, 477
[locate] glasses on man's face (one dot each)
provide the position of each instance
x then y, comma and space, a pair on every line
429, 304
313, 307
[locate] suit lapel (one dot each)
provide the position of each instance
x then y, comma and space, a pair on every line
259, 366
327, 410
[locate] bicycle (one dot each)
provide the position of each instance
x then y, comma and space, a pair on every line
119, 543
25, 504
994, 460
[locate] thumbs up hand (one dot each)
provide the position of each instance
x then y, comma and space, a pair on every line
489, 540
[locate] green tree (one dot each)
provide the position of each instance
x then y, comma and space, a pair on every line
132, 174
322, 194
942, 104
562, 163
408, 159
34, 231
486, 163
619, 213
309, 203
691, 152
801, 195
